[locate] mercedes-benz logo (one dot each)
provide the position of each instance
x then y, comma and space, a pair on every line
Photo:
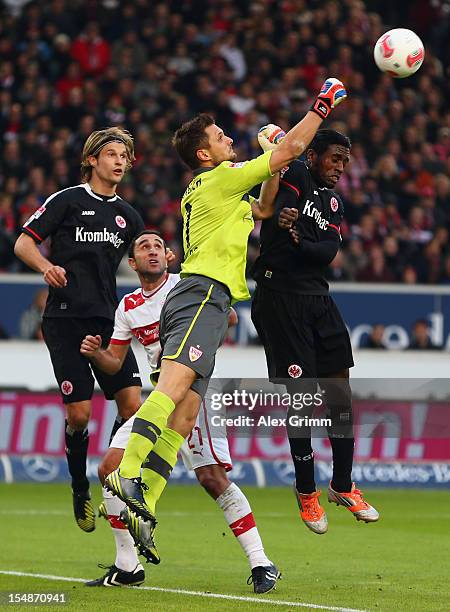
42, 469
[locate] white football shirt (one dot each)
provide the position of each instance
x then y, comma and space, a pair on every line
138, 315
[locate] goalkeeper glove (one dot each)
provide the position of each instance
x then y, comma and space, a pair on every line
269, 136
332, 93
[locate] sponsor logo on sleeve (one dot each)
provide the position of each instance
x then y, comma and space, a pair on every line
35, 215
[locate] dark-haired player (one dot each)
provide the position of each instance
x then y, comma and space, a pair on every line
90, 228
218, 215
302, 331
207, 454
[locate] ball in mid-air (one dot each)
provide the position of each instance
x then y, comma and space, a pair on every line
399, 52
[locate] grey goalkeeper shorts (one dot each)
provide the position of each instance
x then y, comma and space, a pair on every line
193, 324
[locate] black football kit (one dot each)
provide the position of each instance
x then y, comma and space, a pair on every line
302, 331
296, 318
90, 234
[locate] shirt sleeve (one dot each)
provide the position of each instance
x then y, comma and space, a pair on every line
295, 178
122, 332
322, 252
46, 219
242, 176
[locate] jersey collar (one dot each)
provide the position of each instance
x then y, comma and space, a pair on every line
198, 171
97, 197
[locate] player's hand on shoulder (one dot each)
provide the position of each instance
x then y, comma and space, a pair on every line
90, 345
55, 276
287, 218
269, 136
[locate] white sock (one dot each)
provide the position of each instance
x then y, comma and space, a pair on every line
239, 517
126, 555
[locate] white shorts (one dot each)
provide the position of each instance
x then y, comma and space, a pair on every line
199, 448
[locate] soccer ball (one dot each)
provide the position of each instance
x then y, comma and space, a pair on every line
399, 52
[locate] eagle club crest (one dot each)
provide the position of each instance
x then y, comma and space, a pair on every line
334, 204
194, 353
66, 387
295, 371
121, 221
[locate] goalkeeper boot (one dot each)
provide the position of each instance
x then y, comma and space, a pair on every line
117, 577
84, 511
130, 491
264, 578
311, 512
354, 502
142, 533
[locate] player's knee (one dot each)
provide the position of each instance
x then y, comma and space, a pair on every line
126, 411
106, 466
78, 420
213, 481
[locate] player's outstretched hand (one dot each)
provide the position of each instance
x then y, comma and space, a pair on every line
55, 276
332, 93
269, 136
287, 218
90, 345
170, 256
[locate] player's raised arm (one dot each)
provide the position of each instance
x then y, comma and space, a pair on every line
108, 360
264, 206
298, 138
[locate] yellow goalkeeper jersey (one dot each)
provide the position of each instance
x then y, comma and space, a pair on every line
217, 216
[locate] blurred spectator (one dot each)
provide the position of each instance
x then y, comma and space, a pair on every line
420, 339
151, 65
376, 270
375, 338
31, 319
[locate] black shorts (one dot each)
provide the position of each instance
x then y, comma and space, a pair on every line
303, 335
193, 324
74, 372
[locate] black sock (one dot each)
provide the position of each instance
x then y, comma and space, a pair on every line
76, 453
303, 458
339, 404
117, 425
342, 463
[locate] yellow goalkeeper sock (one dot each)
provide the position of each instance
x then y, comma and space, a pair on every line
151, 419
159, 465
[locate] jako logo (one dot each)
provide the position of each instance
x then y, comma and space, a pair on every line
315, 214
81, 235
87, 212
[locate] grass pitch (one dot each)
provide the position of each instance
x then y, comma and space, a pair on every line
401, 563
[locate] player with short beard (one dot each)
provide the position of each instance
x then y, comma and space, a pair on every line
205, 451
299, 324
90, 228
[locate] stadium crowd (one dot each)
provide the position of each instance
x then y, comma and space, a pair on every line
67, 68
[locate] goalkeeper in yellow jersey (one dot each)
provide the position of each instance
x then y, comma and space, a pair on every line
218, 215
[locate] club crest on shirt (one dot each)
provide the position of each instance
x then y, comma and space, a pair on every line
237, 165
194, 353
334, 204
295, 371
121, 221
66, 387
